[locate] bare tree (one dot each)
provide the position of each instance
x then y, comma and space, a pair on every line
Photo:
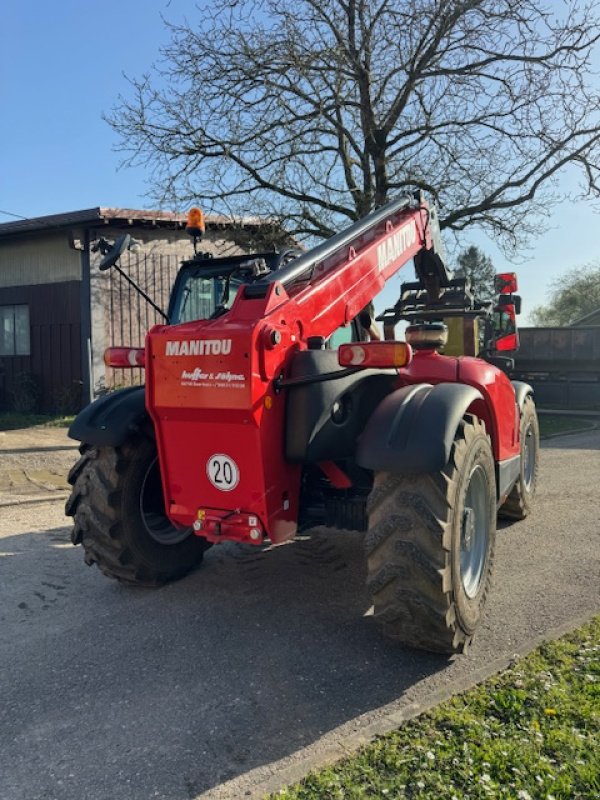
317, 111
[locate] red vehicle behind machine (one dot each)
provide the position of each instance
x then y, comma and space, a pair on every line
254, 422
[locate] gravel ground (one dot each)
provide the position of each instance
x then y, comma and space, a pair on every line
218, 683
34, 462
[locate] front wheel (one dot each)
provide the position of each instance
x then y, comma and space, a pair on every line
519, 502
430, 546
120, 520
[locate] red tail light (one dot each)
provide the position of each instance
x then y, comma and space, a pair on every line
508, 342
506, 282
505, 326
125, 357
375, 354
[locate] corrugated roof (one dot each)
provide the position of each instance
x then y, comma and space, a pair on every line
129, 216
586, 319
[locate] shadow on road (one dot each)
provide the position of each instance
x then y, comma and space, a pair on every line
172, 691
113, 692
586, 440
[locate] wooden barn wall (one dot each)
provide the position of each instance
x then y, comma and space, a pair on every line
128, 316
53, 368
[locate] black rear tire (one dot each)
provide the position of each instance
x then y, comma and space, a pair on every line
120, 520
519, 502
430, 546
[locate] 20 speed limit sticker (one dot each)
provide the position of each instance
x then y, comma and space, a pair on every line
222, 472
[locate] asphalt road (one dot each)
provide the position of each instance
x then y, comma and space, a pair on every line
110, 692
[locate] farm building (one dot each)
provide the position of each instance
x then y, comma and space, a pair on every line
58, 312
562, 364
591, 319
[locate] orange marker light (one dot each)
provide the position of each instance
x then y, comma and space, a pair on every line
374, 354
195, 222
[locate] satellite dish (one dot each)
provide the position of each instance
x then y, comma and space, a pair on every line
115, 252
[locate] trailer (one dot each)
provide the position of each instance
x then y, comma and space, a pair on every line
562, 365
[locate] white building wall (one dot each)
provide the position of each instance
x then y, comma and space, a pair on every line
45, 259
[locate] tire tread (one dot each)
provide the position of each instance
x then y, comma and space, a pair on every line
95, 504
408, 548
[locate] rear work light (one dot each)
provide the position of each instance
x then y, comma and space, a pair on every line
125, 357
374, 354
428, 336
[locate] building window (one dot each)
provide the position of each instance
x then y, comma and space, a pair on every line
14, 331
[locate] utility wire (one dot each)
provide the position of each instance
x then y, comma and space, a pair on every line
16, 216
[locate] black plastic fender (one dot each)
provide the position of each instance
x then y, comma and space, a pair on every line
522, 390
314, 431
412, 429
112, 419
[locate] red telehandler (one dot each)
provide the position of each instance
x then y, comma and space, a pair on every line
268, 408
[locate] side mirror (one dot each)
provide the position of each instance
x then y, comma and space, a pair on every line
115, 252
510, 300
517, 299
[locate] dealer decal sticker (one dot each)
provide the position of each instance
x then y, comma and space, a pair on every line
212, 380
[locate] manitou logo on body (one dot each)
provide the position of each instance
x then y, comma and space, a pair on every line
395, 245
199, 347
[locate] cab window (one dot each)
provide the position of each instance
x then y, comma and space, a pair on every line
199, 297
343, 335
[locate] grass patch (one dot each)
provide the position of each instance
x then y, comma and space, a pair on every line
553, 423
532, 732
13, 420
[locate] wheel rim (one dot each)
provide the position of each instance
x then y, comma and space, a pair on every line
475, 532
529, 457
152, 510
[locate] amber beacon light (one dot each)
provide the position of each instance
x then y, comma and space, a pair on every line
195, 222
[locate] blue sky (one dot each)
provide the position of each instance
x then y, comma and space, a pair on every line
61, 67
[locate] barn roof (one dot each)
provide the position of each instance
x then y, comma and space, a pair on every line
121, 217
593, 318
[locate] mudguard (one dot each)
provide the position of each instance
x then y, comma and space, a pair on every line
522, 390
312, 434
112, 419
412, 429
